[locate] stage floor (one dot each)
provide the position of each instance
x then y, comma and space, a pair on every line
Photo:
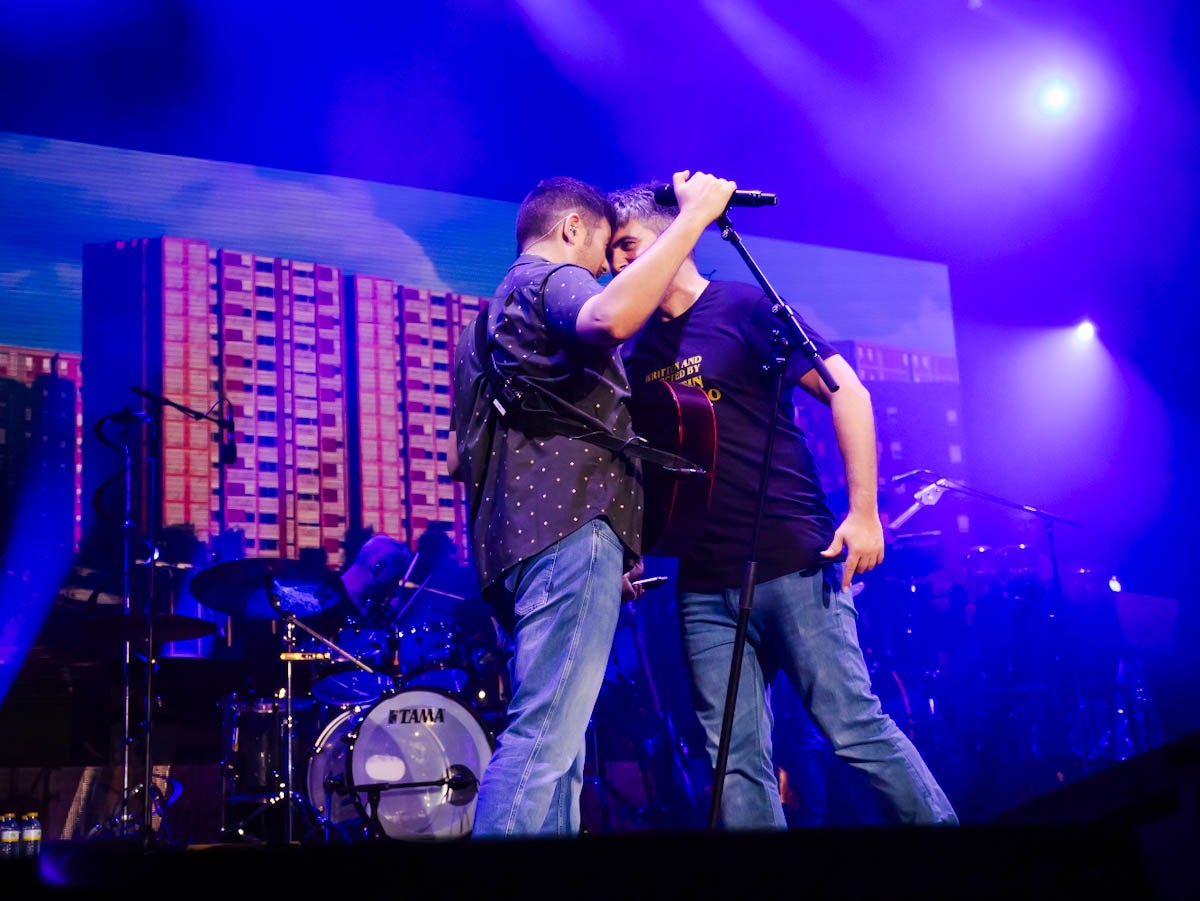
966, 862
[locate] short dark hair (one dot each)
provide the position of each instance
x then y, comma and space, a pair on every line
554, 198
638, 203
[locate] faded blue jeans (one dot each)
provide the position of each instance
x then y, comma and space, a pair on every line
567, 603
806, 625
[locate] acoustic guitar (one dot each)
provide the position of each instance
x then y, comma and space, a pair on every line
677, 418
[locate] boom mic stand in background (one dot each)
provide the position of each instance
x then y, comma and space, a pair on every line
929, 494
790, 338
128, 419
123, 443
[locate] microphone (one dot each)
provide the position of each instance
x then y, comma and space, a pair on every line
460, 779
128, 416
664, 195
904, 476
924, 497
228, 454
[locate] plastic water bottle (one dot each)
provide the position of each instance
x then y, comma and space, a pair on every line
31, 834
10, 836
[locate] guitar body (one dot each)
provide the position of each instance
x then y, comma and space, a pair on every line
677, 418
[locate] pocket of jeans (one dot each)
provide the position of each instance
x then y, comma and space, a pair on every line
833, 594
603, 529
534, 598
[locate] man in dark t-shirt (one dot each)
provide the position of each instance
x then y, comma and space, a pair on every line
725, 338
556, 516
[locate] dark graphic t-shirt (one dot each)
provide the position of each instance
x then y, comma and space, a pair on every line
723, 344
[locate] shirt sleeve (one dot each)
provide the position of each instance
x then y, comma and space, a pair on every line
566, 291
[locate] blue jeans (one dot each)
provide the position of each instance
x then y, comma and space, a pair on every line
806, 625
567, 603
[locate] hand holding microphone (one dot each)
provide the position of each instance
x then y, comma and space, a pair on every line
699, 195
664, 195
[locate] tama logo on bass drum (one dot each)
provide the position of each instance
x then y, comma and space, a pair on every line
416, 715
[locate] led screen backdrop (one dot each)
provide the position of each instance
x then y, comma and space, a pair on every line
324, 310
57, 196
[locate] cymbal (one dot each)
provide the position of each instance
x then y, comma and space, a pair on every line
168, 627
76, 594
54, 657
91, 588
240, 588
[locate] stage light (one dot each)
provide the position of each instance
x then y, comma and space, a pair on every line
1085, 331
1055, 97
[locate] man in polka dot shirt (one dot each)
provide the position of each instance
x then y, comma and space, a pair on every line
556, 520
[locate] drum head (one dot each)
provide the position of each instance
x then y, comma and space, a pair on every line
326, 783
421, 754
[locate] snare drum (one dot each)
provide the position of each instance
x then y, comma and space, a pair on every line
406, 768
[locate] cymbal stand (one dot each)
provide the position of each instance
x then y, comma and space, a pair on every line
289, 657
287, 795
291, 620
127, 669
291, 799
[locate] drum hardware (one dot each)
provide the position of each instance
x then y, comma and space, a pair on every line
351, 680
1019, 568
406, 767
284, 793
276, 588
265, 588
431, 654
141, 626
342, 653
293, 803
147, 426
458, 778
925, 496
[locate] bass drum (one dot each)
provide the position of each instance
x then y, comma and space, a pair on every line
406, 768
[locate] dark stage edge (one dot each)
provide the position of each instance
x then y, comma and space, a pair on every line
1017, 861
1132, 831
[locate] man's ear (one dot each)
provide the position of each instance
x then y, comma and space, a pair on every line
572, 228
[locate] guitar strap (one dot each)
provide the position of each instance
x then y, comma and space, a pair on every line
526, 405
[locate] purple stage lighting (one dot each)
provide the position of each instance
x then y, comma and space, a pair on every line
1055, 97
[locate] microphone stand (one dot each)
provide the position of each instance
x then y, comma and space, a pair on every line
228, 453
151, 482
923, 497
790, 337
125, 446
932, 492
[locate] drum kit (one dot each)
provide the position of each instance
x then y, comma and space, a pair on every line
379, 732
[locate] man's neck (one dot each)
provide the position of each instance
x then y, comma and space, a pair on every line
549, 251
684, 290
